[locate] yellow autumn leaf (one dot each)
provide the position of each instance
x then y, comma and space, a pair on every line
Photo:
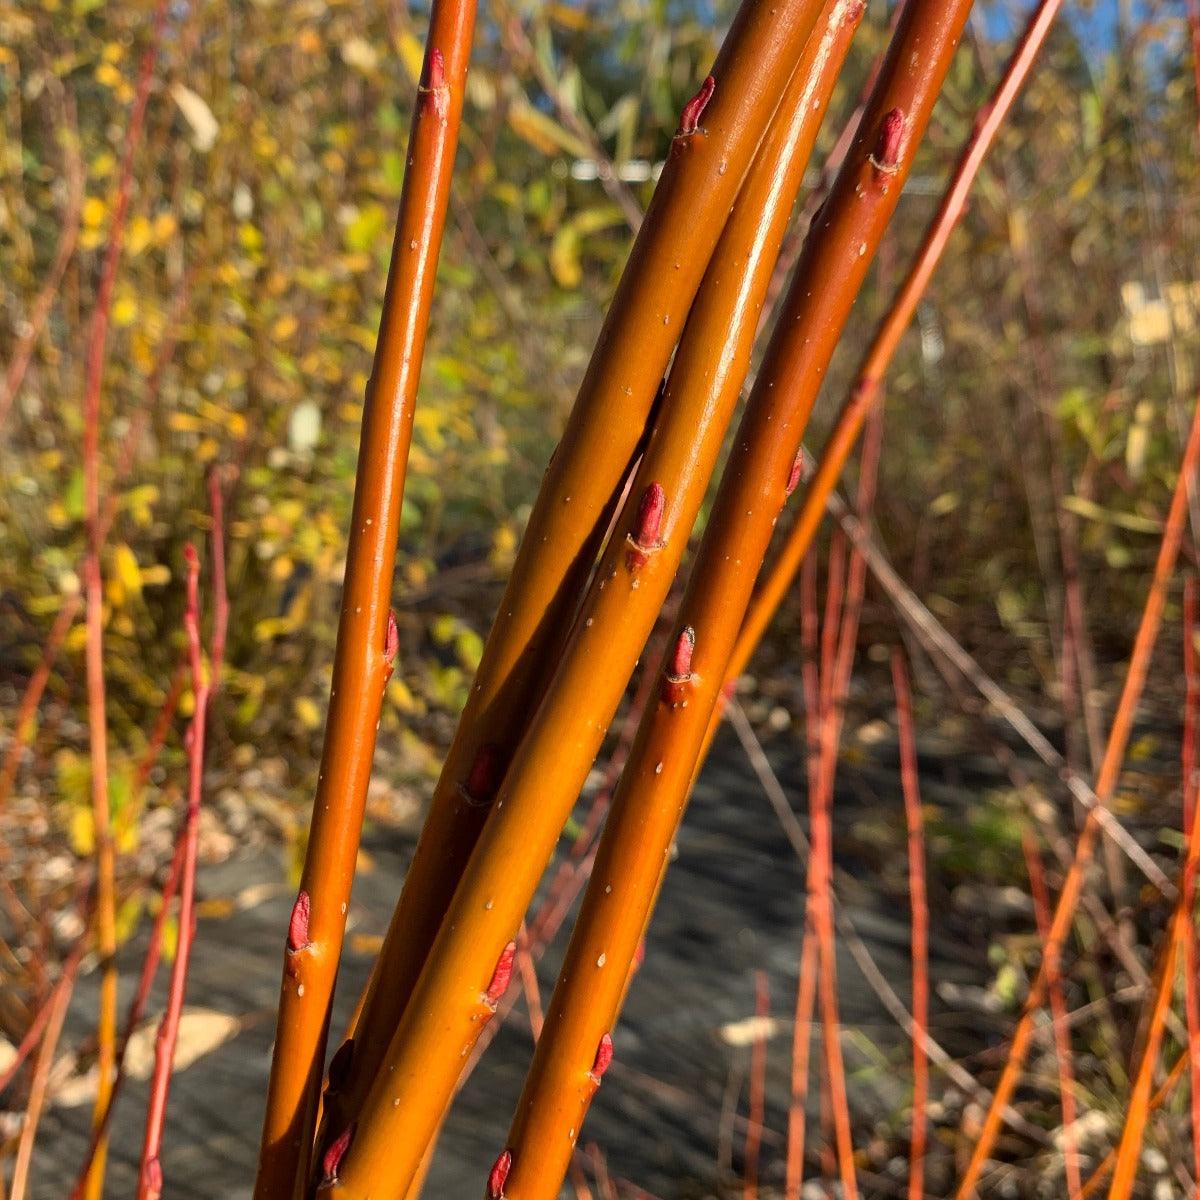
82, 831
126, 569
138, 236
124, 311
284, 327
400, 696
412, 55
94, 212
307, 712
542, 132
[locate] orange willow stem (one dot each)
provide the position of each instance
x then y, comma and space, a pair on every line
150, 1176
875, 363
801, 1048
1058, 1012
133, 1015
707, 163
531, 799
1180, 933
1168, 1085
1110, 767
58, 1003
654, 785
920, 923
105, 912
1191, 986
367, 638
836, 624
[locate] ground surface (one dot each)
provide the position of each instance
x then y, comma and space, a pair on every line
666, 1116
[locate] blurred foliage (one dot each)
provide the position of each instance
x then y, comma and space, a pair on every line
249, 293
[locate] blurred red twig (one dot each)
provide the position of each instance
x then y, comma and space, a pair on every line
920, 922
150, 1177
1058, 1012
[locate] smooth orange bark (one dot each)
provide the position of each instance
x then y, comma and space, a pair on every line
551, 764
365, 640
864, 392
701, 179
654, 786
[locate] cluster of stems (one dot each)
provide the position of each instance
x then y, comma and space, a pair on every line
605, 540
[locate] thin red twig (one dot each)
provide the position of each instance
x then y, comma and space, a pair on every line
1058, 1013
920, 923
801, 1042
1191, 993
150, 1177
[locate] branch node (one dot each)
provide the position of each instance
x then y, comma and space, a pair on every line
794, 476
435, 89
391, 641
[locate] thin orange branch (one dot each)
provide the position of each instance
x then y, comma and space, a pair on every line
105, 910
801, 1042
1191, 724
1110, 767
909, 780
1180, 935
59, 1001
1058, 1012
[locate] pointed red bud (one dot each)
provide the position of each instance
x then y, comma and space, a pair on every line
502, 975
484, 775
679, 673
391, 640
604, 1055
498, 1175
334, 1155
681, 660
297, 937
643, 538
689, 119
891, 135
650, 514
794, 476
